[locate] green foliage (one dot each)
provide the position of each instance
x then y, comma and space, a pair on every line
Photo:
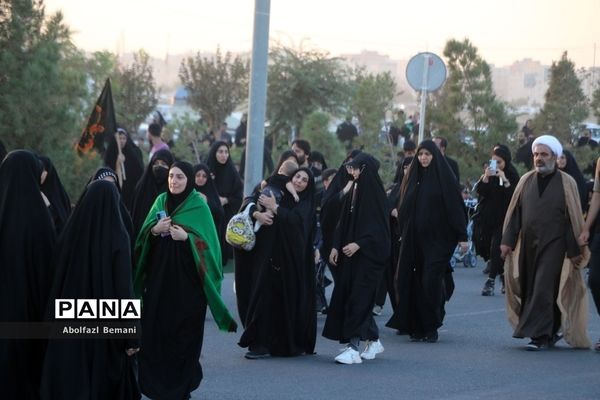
467, 109
216, 85
301, 82
99, 66
135, 92
595, 103
41, 89
372, 96
565, 104
314, 129
190, 145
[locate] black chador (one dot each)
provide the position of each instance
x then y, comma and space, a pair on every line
331, 205
364, 221
151, 184
229, 185
60, 205
133, 166
212, 198
27, 239
433, 220
93, 261
275, 282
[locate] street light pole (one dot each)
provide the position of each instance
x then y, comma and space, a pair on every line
258, 96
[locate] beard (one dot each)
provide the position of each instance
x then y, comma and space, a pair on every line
545, 168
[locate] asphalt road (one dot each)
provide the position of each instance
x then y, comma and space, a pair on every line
475, 358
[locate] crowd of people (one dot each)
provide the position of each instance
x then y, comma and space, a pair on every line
157, 233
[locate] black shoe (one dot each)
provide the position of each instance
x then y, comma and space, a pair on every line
431, 337
537, 345
257, 354
417, 338
488, 288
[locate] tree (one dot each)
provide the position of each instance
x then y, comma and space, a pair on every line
372, 96
42, 87
136, 94
565, 104
216, 85
301, 82
99, 66
467, 110
595, 104
314, 129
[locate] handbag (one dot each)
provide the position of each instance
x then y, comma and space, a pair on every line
240, 230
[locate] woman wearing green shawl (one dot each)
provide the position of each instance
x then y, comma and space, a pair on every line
178, 274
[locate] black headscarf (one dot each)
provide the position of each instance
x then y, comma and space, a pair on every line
99, 175
93, 261
210, 191
510, 171
227, 178
27, 239
370, 210
319, 157
56, 194
134, 165
174, 200
394, 195
573, 169
418, 183
152, 183
340, 180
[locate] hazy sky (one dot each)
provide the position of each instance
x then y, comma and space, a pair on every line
503, 30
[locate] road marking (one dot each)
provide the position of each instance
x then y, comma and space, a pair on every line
469, 314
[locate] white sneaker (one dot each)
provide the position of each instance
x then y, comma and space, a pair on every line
348, 356
372, 349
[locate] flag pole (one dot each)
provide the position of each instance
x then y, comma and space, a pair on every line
120, 166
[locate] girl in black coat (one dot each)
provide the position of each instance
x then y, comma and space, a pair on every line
495, 189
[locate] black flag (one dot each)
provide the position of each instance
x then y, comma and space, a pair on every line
101, 124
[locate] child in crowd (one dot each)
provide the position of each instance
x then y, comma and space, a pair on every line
277, 183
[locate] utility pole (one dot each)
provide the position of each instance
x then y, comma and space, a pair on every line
258, 96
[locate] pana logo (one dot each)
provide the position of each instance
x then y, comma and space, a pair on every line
97, 309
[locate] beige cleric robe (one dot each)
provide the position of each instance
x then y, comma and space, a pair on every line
571, 299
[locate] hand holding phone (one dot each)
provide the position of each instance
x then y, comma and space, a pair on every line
493, 165
163, 223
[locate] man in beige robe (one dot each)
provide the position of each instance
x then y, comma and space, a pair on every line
545, 291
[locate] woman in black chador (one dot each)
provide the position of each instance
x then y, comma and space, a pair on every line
275, 281
60, 205
178, 274
360, 249
27, 240
151, 184
567, 163
331, 205
129, 162
433, 220
229, 186
92, 261
205, 184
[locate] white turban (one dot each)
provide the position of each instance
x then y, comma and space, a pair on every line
549, 141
